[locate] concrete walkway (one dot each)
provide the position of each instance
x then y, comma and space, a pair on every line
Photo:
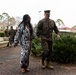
9, 65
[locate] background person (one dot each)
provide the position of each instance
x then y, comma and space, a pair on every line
6, 33
11, 35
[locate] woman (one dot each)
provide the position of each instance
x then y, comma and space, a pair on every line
23, 35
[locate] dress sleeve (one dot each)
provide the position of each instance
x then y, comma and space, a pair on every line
18, 35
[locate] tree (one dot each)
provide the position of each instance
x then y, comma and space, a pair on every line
11, 21
6, 16
1, 17
60, 22
6, 20
1, 22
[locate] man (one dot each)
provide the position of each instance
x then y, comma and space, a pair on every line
6, 32
11, 35
44, 32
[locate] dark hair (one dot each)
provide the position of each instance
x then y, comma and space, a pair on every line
31, 28
25, 17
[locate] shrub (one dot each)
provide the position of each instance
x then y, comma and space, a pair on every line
1, 34
64, 49
36, 47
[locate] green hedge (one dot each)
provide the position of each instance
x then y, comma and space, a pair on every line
36, 47
1, 34
64, 50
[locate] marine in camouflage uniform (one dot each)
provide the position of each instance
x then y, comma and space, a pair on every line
11, 35
6, 32
44, 31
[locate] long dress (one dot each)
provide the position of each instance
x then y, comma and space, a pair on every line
23, 35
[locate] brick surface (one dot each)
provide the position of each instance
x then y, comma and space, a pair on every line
10, 65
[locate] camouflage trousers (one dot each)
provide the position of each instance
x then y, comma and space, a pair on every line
46, 50
25, 51
11, 40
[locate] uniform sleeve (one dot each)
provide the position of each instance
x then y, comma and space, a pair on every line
39, 28
56, 29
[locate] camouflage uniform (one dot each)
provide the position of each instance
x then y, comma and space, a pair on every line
11, 36
44, 30
23, 35
6, 33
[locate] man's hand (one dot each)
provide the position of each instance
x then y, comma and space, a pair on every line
58, 36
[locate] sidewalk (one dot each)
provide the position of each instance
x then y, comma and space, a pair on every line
9, 65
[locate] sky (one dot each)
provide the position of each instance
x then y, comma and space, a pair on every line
60, 9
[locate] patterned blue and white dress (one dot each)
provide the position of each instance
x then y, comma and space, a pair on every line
23, 35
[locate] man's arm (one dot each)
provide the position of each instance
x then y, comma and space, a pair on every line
39, 28
56, 31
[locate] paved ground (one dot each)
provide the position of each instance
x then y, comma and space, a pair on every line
9, 65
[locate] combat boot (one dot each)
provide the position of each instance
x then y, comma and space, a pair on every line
49, 66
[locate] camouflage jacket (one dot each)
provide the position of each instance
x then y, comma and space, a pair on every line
6, 33
45, 29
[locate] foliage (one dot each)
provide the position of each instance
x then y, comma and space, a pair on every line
64, 50
6, 20
1, 34
36, 47
60, 22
